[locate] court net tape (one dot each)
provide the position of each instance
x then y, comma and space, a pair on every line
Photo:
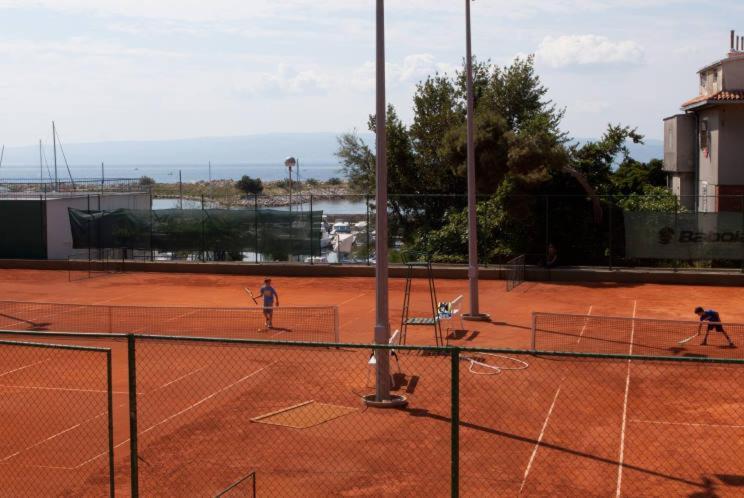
637, 336
291, 323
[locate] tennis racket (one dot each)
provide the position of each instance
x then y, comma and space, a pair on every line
248, 291
688, 339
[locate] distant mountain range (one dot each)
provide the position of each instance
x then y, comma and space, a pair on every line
310, 148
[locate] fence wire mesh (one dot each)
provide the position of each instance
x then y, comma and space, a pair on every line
244, 487
480, 422
635, 336
515, 272
56, 435
209, 410
569, 426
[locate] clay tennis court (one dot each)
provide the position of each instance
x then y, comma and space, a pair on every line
562, 425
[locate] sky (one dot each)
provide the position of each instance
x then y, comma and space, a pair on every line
170, 69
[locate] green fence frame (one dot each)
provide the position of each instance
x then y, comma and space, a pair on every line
109, 388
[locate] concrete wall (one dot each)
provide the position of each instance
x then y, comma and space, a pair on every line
59, 236
718, 278
733, 73
679, 143
709, 163
731, 159
711, 81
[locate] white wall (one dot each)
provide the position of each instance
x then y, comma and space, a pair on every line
59, 235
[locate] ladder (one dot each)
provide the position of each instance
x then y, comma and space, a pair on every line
418, 321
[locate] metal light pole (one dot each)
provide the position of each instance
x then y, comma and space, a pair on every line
290, 163
475, 314
382, 323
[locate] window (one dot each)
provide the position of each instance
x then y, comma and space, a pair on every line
704, 134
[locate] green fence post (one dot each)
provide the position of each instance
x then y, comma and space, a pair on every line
366, 203
110, 407
455, 402
610, 207
255, 223
741, 204
312, 228
133, 455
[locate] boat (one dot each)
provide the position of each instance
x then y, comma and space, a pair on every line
341, 227
343, 242
325, 239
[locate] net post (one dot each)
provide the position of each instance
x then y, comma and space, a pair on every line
534, 332
455, 423
336, 331
133, 441
110, 408
610, 208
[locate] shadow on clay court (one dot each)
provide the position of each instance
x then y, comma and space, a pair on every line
422, 412
35, 326
731, 480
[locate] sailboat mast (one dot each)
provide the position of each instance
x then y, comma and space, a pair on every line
54, 138
41, 165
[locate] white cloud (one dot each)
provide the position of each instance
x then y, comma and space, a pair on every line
588, 50
286, 81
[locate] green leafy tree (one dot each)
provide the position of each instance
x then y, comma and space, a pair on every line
633, 176
146, 181
248, 185
651, 199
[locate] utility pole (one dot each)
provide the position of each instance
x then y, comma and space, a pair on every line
475, 314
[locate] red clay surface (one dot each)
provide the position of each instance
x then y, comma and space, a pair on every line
560, 427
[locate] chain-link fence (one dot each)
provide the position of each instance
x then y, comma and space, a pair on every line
205, 413
56, 438
610, 231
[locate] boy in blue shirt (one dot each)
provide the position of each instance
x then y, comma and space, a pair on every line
714, 322
268, 293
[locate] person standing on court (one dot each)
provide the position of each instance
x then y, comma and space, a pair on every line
714, 322
268, 293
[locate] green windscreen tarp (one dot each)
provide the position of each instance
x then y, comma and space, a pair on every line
267, 231
687, 236
23, 227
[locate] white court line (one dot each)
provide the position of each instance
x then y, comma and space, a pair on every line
625, 408
586, 322
23, 367
183, 315
353, 298
194, 405
687, 424
182, 377
539, 440
70, 389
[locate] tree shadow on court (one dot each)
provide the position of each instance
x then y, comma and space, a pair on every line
596, 285
705, 484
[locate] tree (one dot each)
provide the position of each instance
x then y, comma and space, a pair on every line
357, 163
651, 199
146, 181
251, 186
633, 176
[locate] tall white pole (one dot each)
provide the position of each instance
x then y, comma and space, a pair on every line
382, 324
54, 140
41, 165
475, 313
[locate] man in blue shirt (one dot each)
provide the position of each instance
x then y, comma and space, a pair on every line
268, 293
714, 322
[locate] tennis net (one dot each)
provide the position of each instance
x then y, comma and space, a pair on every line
515, 272
635, 336
291, 323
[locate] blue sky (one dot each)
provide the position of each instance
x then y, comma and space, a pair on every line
162, 69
